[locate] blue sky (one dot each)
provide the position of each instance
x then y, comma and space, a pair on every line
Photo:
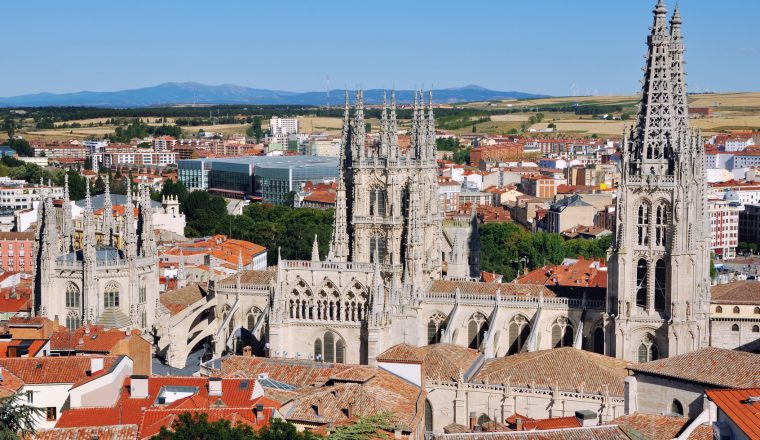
541, 46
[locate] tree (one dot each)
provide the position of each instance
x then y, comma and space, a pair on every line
254, 130
365, 428
17, 419
9, 126
21, 146
99, 187
197, 426
752, 247
367, 127
205, 213
77, 185
474, 128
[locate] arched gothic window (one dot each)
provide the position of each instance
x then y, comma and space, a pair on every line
111, 296
756, 329
73, 297
519, 330
436, 327
642, 225
641, 284
756, 311
599, 340
142, 295
661, 225
253, 318
562, 333
72, 321
735, 328
660, 280
376, 243
736, 310
428, 416
476, 330
330, 348
377, 201
676, 408
648, 349
144, 319
719, 309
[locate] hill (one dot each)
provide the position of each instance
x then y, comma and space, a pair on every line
189, 93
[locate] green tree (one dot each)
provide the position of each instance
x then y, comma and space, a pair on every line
205, 214
367, 127
474, 128
9, 126
17, 419
20, 146
99, 187
77, 185
365, 428
752, 247
197, 426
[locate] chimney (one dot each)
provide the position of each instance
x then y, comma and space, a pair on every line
214, 386
586, 417
96, 364
259, 411
247, 351
138, 386
473, 420
518, 424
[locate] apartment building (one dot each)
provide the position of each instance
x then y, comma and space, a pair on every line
16, 251
724, 226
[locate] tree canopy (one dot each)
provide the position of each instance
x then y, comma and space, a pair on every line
17, 419
197, 426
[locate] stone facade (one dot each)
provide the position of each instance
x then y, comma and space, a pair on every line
658, 297
109, 277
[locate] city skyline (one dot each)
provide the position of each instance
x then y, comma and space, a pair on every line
577, 48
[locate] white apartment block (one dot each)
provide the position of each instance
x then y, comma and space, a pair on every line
739, 142
724, 227
282, 126
21, 197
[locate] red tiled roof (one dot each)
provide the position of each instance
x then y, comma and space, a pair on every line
156, 418
580, 274
659, 427
590, 433
735, 405
50, 370
738, 292
115, 432
33, 346
404, 353
93, 339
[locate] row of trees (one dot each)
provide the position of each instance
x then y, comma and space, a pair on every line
506, 248
139, 129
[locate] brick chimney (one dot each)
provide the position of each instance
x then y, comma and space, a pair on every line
247, 351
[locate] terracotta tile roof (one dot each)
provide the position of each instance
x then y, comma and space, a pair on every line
131, 410
555, 423
17, 236
710, 366
49, 370
98, 339
10, 383
403, 353
590, 433
738, 292
357, 373
583, 273
736, 406
179, 299
478, 288
155, 418
455, 428
494, 426
342, 402
658, 427
33, 346
116, 432
446, 362
260, 277
591, 372
298, 373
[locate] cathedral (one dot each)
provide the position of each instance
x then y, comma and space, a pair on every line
106, 274
398, 272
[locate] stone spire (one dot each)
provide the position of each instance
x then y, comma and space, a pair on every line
107, 215
422, 135
394, 152
181, 271
652, 147
678, 77
431, 129
147, 237
384, 134
378, 300
315, 249
358, 140
89, 251
67, 228
412, 151
340, 240
129, 234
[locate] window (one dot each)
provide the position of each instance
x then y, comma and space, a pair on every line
376, 244
144, 319
111, 296
72, 322
735, 328
661, 222
30, 396
476, 330
641, 284
562, 333
52, 414
676, 408
330, 348
73, 297
642, 225
436, 327
719, 309
648, 350
736, 310
756, 311
142, 291
756, 329
428, 416
659, 285
599, 340
377, 201
519, 331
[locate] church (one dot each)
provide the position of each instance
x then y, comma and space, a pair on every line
104, 274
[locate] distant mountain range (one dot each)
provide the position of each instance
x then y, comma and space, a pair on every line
189, 93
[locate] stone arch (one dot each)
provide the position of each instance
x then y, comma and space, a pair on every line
354, 302
428, 416
660, 285
329, 346
735, 328
662, 218
643, 214
647, 350
676, 408
142, 292
73, 320
736, 310
642, 282
252, 317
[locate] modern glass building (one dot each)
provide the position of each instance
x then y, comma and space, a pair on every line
268, 177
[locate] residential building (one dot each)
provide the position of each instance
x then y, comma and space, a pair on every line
736, 416
735, 315
538, 185
724, 226
569, 212
16, 251
448, 191
282, 126
498, 152
96, 340
749, 224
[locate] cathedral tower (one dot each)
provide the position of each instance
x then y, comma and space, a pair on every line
658, 295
